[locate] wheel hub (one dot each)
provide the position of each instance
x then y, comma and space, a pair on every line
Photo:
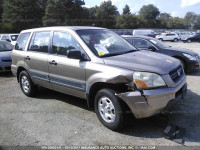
106, 109
25, 84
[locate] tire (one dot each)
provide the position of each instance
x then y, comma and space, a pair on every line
26, 84
161, 39
115, 119
175, 40
189, 41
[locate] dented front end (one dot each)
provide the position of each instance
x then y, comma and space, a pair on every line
147, 103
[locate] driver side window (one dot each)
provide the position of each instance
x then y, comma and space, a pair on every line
63, 42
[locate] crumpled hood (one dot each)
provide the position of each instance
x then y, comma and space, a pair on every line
5, 55
144, 61
184, 50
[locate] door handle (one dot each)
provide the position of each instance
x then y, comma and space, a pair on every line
54, 63
27, 58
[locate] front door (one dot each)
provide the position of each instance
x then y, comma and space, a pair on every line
66, 75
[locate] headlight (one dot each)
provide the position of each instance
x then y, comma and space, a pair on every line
190, 57
147, 80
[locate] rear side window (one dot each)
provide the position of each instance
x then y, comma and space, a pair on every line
21, 41
40, 42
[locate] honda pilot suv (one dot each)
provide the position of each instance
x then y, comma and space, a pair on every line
99, 66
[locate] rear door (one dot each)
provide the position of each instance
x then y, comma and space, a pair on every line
66, 75
19, 50
36, 58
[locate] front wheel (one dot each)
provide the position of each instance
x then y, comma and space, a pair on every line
109, 110
26, 84
189, 41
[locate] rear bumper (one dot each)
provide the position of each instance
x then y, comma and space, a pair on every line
153, 102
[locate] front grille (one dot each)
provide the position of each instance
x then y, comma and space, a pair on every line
7, 60
177, 74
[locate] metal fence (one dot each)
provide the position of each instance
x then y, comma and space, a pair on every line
130, 31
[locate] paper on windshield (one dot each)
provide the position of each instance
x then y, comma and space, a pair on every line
101, 49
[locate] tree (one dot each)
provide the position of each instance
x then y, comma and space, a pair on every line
190, 19
148, 15
22, 14
126, 10
164, 19
106, 14
64, 12
176, 23
127, 21
149, 12
197, 23
1, 11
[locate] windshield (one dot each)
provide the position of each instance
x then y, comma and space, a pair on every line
103, 42
159, 43
5, 46
14, 37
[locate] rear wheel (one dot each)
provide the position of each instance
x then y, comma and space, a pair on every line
175, 40
161, 39
26, 84
109, 110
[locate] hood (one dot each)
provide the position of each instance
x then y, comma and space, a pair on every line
183, 50
5, 55
144, 61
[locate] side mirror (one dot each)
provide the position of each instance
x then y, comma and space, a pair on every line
74, 54
152, 48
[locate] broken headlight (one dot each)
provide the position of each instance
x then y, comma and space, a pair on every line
147, 80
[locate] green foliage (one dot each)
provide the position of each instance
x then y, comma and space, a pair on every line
190, 19
17, 15
106, 14
126, 10
164, 19
21, 14
176, 23
149, 12
148, 15
64, 12
197, 23
128, 21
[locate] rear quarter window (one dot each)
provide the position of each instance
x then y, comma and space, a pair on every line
21, 41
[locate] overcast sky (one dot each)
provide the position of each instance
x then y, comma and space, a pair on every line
173, 7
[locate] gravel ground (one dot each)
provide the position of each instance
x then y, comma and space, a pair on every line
54, 119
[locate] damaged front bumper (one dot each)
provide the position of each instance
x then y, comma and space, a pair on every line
151, 102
